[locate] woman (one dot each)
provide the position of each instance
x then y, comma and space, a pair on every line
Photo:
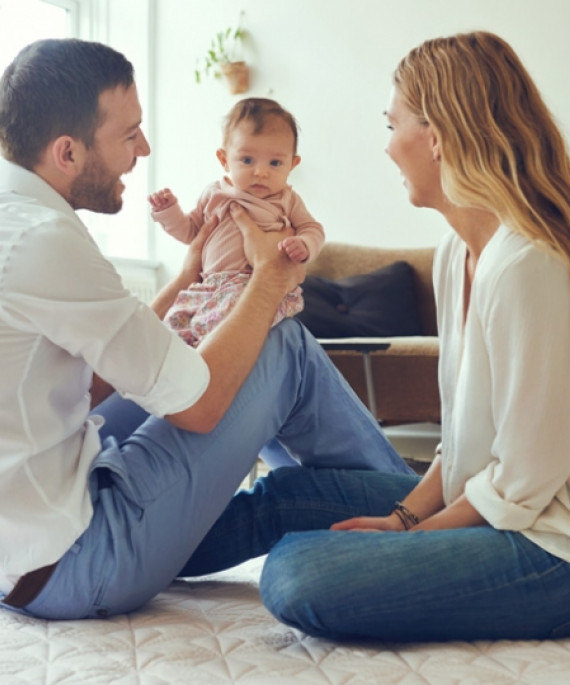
480, 547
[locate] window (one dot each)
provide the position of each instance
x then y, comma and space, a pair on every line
127, 234
50, 20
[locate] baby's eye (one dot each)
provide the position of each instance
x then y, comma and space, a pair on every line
389, 127
276, 162
246, 160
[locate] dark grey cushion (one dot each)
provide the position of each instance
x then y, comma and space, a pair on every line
377, 304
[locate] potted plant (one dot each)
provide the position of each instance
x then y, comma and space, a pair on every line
220, 60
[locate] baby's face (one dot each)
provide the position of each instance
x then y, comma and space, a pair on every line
260, 163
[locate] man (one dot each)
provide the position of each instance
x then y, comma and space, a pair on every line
95, 521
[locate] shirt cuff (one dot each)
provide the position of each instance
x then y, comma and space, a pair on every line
182, 380
497, 511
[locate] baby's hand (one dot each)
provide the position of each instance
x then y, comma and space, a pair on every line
295, 249
162, 199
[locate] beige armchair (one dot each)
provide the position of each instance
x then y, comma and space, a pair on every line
405, 386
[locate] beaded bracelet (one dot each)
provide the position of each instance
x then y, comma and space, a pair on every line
407, 517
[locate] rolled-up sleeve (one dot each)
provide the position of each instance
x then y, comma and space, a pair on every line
181, 381
96, 319
501, 513
527, 327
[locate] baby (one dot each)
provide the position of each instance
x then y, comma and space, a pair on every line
259, 152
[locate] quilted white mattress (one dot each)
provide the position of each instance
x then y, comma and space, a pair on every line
215, 630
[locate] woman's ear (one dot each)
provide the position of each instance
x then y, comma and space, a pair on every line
436, 153
222, 157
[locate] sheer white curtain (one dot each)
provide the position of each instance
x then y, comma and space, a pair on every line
23, 21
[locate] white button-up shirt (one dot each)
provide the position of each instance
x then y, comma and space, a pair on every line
64, 314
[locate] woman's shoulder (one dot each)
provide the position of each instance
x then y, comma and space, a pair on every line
516, 269
510, 252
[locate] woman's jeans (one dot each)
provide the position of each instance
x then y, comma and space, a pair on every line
157, 490
464, 584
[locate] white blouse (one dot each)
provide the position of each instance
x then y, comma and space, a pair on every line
64, 314
505, 386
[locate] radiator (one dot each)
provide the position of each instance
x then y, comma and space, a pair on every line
140, 277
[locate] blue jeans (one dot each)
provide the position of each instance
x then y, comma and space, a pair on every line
464, 584
157, 490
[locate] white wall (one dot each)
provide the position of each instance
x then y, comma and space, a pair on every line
330, 63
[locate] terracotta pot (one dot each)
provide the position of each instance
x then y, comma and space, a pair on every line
237, 76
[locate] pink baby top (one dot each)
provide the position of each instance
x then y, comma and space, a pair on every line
223, 251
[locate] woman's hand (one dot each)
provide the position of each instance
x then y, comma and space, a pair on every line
371, 524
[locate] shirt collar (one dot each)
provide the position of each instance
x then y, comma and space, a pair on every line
16, 179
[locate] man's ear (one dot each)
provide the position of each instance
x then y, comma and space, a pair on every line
67, 155
296, 161
222, 157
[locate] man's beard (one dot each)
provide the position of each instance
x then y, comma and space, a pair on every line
96, 189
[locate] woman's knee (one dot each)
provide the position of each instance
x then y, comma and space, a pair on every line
291, 584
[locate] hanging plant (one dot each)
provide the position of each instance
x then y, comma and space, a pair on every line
220, 60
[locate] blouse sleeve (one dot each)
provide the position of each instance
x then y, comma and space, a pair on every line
526, 319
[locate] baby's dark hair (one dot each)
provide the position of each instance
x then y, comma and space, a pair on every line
258, 111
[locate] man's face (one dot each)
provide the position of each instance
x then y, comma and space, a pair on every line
117, 144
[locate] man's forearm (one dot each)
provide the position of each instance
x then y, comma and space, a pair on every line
165, 298
232, 349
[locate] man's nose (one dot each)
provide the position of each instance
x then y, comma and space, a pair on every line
143, 147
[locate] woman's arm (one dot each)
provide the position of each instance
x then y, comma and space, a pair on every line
425, 502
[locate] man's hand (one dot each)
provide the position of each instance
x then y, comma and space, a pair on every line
190, 272
263, 253
162, 199
192, 264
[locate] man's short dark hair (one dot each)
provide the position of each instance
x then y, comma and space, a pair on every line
52, 89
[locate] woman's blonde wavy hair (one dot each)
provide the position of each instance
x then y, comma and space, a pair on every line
501, 149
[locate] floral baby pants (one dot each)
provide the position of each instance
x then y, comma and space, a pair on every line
199, 309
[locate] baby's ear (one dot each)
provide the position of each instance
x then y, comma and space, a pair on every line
296, 161
222, 157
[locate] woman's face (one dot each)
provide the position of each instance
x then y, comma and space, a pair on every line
413, 148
